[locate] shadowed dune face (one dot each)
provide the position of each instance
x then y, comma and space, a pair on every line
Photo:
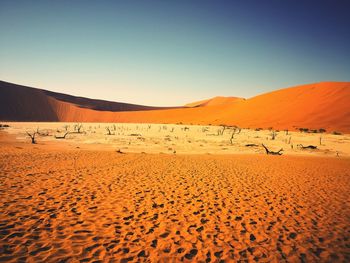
20, 103
24, 104
89, 205
314, 106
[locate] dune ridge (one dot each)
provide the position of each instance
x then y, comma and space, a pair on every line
219, 100
313, 106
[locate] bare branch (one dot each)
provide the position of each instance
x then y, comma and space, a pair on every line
109, 131
62, 137
272, 152
32, 137
311, 147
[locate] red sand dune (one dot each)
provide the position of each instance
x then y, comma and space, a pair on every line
314, 106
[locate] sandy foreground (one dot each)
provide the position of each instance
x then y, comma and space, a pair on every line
63, 201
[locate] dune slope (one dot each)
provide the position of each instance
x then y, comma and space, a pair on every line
21, 103
313, 106
321, 105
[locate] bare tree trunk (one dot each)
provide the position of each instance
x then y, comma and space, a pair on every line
231, 139
32, 137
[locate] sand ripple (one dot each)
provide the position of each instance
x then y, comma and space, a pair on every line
86, 206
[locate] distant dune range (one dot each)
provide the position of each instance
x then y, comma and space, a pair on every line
320, 105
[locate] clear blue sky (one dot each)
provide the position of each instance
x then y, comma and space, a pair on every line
173, 52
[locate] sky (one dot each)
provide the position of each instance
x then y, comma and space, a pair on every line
168, 53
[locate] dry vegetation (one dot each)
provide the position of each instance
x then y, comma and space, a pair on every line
188, 139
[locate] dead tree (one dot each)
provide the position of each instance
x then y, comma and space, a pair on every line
223, 130
251, 145
62, 137
231, 139
273, 135
78, 127
235, 131
40, 133
311, 147
32, 137
109, 131
232, 135
271, 152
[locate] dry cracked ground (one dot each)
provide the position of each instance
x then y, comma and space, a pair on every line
101, 206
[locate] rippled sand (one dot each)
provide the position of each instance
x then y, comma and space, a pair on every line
93, 206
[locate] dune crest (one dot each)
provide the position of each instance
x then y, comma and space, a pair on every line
216, 101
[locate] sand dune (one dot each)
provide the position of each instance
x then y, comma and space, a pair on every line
62, 205
322, 105
21, 103
313, 106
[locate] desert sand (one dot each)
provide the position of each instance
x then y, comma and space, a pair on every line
313, 106
79, 200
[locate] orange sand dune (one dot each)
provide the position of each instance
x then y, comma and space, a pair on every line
314, 106
321, 105
62, 205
